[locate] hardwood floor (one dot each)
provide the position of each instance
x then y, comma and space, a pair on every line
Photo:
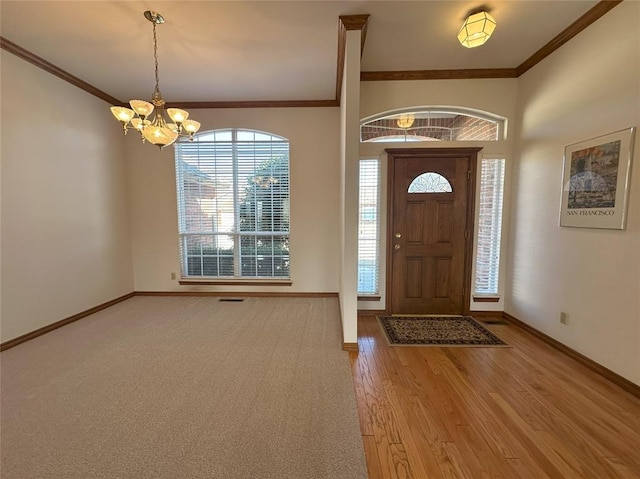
521, 412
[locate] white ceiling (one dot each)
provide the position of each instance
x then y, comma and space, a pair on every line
267, 50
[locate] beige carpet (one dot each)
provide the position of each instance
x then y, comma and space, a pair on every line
184, 387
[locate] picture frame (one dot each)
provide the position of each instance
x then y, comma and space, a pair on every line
595, 179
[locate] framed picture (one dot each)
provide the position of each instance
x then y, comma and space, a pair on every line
595, 181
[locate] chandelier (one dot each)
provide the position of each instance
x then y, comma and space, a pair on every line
153, 126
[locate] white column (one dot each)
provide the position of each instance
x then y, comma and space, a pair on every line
349, 151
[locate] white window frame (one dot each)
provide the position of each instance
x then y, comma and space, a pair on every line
220, 154
369, 225
500, 122
490, 227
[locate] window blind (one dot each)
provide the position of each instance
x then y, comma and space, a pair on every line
489, 226
233, 204
368, 227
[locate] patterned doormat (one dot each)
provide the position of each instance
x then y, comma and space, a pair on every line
444, 331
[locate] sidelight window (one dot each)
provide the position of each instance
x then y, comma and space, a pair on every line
489, 226
368, 227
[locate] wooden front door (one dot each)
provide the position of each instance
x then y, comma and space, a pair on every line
430, 216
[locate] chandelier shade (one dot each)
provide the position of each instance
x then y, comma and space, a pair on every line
476, 29
148, 118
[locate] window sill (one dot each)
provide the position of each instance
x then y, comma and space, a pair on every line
486, 299
243, 282
368, 297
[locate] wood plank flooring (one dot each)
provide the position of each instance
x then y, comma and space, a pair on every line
522, 412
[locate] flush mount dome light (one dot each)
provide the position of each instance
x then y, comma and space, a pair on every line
476, 29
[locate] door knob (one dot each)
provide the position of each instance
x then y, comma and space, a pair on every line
398, 235
396, 247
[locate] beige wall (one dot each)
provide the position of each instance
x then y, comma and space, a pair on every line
314, 169
493, 96
65, 235
490, 95
589, 87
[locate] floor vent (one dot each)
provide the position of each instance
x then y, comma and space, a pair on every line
232, 300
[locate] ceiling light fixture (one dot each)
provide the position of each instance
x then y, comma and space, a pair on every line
476, 29
405, 121
156, 130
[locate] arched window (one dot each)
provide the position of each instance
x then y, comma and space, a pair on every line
233, 204
430, 183
433, 124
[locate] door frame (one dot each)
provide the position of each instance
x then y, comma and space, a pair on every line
472, 154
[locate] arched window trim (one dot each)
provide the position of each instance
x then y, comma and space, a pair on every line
202, 135
500, 121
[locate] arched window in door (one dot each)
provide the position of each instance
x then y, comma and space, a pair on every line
430, 182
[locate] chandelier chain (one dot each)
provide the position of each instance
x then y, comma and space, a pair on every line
155, 58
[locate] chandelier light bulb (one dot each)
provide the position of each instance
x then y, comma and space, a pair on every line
122, 114
138, 124
159, 135
177, 115
142, 108
191, 126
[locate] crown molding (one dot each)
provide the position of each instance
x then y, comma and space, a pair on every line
346, 23
567, 34
354, 22
54, 70
193, 105
438, 74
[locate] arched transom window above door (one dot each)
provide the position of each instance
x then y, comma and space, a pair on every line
433, 124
